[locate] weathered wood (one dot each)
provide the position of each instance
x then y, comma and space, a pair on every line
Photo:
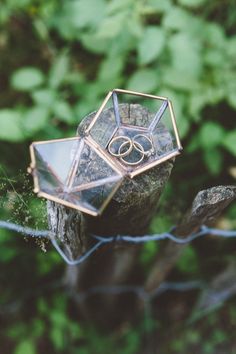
129, 212
206, 208
219, 289
69, 227
130, 209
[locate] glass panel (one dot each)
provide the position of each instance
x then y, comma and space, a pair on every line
134, 147
106, 123
163, 134
91, 168
48, 182
57, 157
140, 111
98, 196
94, 180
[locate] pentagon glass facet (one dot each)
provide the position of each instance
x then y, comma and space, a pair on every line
71, 172
129, 134
147, 120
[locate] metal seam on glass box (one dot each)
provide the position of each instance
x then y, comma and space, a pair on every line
115, 179
101, 150
166, 105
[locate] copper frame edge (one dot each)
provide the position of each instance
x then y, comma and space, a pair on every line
95, 184
107, 201
33, 166
73, 169
61, 201
173, 119
108, 96
137, 127
135, 93
54, 140
153, 164
103, 154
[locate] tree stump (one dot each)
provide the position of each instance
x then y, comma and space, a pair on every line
129, 212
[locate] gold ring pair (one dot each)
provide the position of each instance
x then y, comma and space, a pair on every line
132, 144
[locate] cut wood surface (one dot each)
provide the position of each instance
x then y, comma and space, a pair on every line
206, 208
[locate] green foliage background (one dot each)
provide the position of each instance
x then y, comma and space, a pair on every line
58, 59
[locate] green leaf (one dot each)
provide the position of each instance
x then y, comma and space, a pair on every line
151, 44
214, 95
11, 127
135, 26
211, 135
124, 43
111, 67
44, 97
214, 57
25, 347
231, 48
112, 26
37, 327
192, 3
149, 251
213, 159
230, 89
153, 6
196, 102
144, 80
231, 98
193, 145
59, 69
183, 125
63, 111
41, 29
215, 36
82, 13
35, 119
188, 262
178, 103
230, 142
177, 19
94, 43
118, 5
185, 54
57, 337
180, 80
26, 79
7, 253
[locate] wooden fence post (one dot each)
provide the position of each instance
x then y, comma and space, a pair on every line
129, 212
206, 208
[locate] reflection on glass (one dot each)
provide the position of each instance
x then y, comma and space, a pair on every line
72, 172
57, 156
105, 125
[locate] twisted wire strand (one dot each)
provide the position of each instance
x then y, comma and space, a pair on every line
204, 230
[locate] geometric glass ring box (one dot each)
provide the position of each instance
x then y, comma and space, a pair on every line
122, 140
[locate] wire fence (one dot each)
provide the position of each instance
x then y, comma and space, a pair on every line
101, 241
145, 296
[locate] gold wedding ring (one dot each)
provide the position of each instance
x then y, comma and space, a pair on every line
127, 141
132, 145
141, 151
148, 152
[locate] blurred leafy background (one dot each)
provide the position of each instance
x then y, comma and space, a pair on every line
58, 59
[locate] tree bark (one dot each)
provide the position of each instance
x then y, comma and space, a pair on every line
129, 212
206, 208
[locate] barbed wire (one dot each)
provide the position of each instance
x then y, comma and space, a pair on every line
101, 241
